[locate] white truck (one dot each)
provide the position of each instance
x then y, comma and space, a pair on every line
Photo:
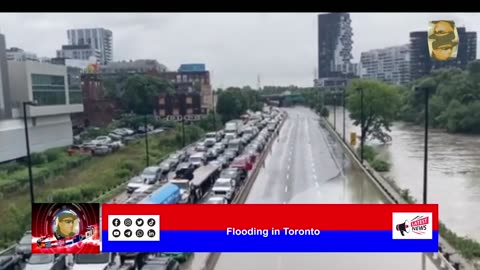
234, 126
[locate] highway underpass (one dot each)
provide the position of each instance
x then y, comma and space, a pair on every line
308, 166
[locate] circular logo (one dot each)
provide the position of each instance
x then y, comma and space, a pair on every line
128, 222
151, 233
139, 233
128, 233
151, 222
116, 222
139, 222
116, 233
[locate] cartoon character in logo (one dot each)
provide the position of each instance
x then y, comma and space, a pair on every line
66, 224
443, 40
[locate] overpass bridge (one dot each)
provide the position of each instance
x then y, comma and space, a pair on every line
284, 99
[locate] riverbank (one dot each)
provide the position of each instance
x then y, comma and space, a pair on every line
408, 165
453, 170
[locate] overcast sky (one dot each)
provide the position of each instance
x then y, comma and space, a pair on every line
236, 47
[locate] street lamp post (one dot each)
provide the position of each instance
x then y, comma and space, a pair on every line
146, 139
29, 158
183, 130
344, 99
362, 123
335, 112
426, 92
214, 111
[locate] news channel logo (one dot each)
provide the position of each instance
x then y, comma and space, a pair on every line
412, 225
443, 40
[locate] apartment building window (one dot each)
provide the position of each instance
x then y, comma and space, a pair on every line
74, 89
75, 94
162, 112
189, 100
161, 101
176, 111
189, 111
48, 89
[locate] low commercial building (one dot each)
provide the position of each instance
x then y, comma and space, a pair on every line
183, 103
49, 120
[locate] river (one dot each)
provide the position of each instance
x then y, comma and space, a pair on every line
453, 170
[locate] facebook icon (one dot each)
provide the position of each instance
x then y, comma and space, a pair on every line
116, 222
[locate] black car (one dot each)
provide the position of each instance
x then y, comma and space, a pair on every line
185, 171
233, 173
24, 246
161, 263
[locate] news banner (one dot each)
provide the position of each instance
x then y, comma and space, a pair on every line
77, 228
270, 228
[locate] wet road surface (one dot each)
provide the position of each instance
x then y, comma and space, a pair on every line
307, 166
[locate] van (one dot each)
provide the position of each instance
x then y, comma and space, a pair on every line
198, 159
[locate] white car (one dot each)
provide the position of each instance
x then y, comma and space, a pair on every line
40, 262
151, 174
216, 200
102, 140
137, 184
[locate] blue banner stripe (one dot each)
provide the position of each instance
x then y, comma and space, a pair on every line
219, 241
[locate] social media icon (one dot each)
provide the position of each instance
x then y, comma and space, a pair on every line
139, 222
116, 233
139, 233
151, 222
116, 222
128, 222
128, 233
151, 233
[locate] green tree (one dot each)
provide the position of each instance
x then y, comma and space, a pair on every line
381, 103
141, 91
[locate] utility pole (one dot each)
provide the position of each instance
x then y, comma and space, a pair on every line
214, 111
344, 105
335, 111
146, 139
425, 150
27, 140
362, 124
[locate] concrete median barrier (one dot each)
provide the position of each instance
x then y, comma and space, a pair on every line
212, 258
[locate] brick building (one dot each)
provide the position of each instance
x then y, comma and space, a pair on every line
183, 102
98, 111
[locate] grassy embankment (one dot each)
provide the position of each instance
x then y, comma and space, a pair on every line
78, 178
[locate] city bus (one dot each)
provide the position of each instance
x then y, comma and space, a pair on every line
167, 194
203, 179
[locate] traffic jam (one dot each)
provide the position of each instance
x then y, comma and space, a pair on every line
211, 171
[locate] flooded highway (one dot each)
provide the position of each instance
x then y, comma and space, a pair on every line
307, 166
453, 172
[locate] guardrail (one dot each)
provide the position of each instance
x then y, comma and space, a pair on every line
8, 251
442, 259
212, 258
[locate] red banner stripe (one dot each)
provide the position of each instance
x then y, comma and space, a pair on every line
268, 216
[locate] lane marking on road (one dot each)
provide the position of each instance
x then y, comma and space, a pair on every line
288, 167
287, 175
317, 185
286, 188
314, 176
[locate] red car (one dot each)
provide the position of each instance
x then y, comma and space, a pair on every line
242, 162
251, 154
